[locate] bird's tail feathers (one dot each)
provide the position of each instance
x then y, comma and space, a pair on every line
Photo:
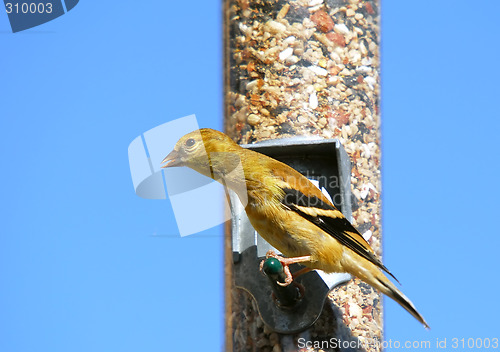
372, 275
389, 289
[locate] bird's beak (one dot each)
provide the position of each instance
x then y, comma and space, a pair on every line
171, 160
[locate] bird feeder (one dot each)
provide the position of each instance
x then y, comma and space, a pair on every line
285, 309
308, 69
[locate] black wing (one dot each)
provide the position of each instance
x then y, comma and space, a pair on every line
332, 221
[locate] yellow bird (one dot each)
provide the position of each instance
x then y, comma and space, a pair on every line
287, 210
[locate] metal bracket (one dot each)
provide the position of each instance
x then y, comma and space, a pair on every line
325, 162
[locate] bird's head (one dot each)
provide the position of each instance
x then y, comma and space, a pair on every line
197, 149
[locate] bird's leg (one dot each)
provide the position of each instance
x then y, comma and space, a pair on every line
286, 262
301, 272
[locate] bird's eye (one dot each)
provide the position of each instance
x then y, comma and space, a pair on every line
190, 142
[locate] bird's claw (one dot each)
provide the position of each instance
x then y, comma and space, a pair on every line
287, 282
284, 263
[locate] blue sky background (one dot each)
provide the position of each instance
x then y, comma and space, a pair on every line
86, 265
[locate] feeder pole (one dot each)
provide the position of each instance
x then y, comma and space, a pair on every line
308, 68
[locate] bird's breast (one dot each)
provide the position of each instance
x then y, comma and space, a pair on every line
269, 224
294, 236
